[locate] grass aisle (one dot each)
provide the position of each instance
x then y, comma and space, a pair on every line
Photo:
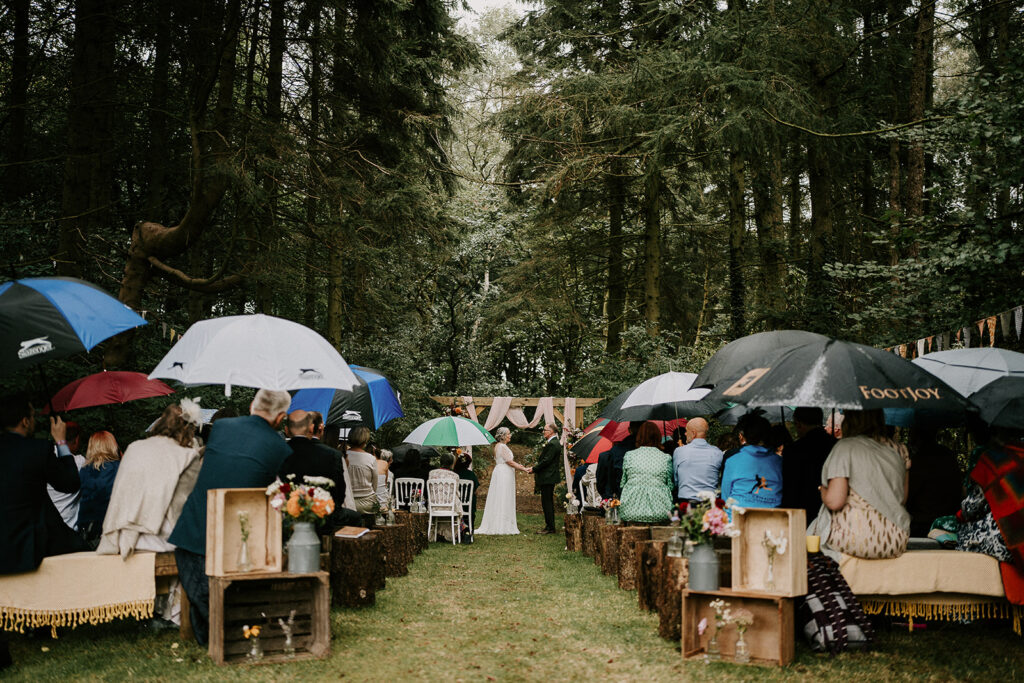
511, 609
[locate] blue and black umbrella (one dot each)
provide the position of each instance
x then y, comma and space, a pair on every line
55, 317
370, 404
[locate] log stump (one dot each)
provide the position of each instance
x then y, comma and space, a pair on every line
598, 545
629, 537
610, 549
357, 567
396, 543
591, 523
650, 556
674, 578
573, 532
417, 524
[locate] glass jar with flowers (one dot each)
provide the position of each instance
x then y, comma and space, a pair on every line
244, 563
701, 522
255, 653
712, 652
774, 544
743, 619
611, 514
306, 504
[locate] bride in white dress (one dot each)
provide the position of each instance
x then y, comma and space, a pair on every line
500, 509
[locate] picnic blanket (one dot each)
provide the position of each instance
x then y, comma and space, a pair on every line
79, 588
1000, 474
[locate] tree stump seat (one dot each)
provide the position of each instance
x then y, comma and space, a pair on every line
357, 570
628, 539
397, 546
573, 532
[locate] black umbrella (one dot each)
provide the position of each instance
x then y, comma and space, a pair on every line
737, 357
831, 373
1001, 403
666, 397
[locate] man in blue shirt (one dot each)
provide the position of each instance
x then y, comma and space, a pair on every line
698, 464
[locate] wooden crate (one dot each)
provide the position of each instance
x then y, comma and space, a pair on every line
664, 533
224, 535
750, 557
771, 637
260, 599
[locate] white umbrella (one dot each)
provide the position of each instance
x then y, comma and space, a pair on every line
255, 351
450, 431
968, 370
666, 397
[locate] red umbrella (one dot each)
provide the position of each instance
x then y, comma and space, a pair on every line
601, 434
105, 388
617, 431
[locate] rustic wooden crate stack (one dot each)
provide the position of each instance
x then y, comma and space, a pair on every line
771, 636
261, 599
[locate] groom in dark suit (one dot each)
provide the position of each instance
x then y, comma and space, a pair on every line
547, 477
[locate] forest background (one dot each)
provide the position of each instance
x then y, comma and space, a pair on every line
558, 199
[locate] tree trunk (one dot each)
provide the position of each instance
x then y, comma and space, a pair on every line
737, 230
767, 186
629, 537
652, 250
819, 240
152, 242
919, 77
17, 102
159, 147
357, 564
650, 558
89, 168
268, 223
312, 244
796, 233
615, 298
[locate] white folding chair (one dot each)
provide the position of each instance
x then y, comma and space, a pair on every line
405, 488
443, 501
466, 497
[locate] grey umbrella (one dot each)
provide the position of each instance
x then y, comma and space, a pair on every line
968, 370
737, 357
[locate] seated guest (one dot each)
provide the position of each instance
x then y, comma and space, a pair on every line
864, 486
362, 471
802, 461
243, 452
445, 470
464, 468
30, 527
312, 459
102, 458
778, 438
67, 503
646, 478
155, 477
753, 476
936, 484
729, 444
991, 488
318, 425
698, 464
384, 475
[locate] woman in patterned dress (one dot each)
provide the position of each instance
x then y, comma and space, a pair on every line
864, 486
646, 479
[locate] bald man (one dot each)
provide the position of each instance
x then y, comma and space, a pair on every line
698, 464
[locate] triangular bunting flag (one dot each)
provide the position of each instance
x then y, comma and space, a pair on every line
903, 350
944, 341
1004, 322
930, 343
1018, 318
967, 337
991, 322
163, 330
981, 332
920, 347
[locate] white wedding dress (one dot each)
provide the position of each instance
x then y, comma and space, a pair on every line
500, 509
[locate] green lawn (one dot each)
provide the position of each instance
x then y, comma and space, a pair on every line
512, 609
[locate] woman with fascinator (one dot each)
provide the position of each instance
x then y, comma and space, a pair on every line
154, 479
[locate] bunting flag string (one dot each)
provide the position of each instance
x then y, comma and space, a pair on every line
1004, 322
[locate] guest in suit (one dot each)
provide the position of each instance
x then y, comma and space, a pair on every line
803, 459
464, 468
545, 473
312, 459
30, 526
243, 452
609, 464
67, 503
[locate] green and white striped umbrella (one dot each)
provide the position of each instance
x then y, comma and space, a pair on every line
450, 431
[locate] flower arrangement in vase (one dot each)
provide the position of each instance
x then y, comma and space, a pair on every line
572, 504
244, 561
702, 521
774, 545
743, 619
310, 502
611, 505
255, 649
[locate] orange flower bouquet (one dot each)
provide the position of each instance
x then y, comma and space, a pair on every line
308, 502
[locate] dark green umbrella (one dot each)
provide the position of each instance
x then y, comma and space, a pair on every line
737, 357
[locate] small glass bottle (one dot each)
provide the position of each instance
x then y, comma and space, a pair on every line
742, 655
674, 547
244, 561
713, 653
255, 649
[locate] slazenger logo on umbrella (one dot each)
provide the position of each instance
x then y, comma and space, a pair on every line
352, 416
310, 373
34, 347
